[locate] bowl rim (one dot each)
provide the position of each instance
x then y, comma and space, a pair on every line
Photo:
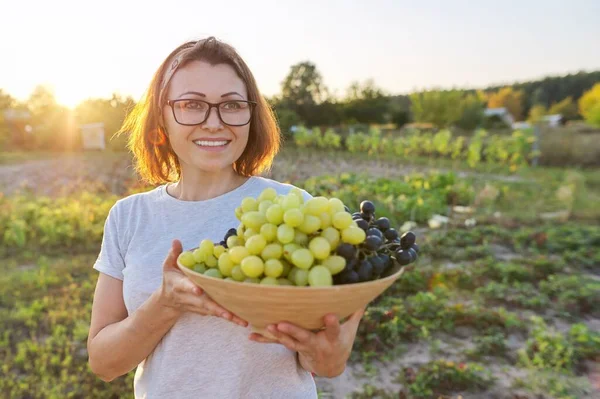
394, 276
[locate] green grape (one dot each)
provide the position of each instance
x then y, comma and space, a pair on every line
249, 232
225, 264
284, 281
273, 268
285, 233
293, 217
199, 255
269, 281
228, 279
256, 244
254, 220
253, 266
268, 194
332, 235
292, 275
310, 224
288, 250
240, 229
325, 218
213, 273
249, 204
211, 261
286, 267
320, 248
207, 246
290, 201
239, 213
320, 276
252, 280
302, 258
199, 268
300, 238
275, 214
238, 254
237, 273
298, 193
272, 251
342, 220
269, 231
301, 277
263, 206
317, 205
336, 205
353, 235
335, 264
234, 241
218, 251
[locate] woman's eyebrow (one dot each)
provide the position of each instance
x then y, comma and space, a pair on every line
193, 92
232, 93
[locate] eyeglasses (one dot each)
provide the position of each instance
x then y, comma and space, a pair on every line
195, 112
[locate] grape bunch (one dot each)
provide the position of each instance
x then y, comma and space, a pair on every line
283, 240
382, 252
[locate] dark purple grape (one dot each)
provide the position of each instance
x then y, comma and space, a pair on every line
407, 239
415, 247
223, 243
363, 224
231, 232
378, 265
383, 223
347, 209
348, 277
372, 243
365, 271
387, 261
366, 216
391, 234
351, 264
403, 257
374, 231
347, 251
413, 254
367, 207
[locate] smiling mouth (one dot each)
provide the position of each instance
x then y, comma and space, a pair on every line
205, 143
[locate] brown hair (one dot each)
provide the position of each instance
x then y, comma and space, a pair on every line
155, 160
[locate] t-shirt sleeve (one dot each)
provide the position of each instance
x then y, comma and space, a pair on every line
111, 258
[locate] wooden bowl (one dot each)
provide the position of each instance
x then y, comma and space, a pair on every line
261, 305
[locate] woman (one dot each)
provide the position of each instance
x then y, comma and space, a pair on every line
202, 133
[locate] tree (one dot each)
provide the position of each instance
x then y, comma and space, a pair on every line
589, 105
6, 101
566, 108
366, 103
536, 113
437, 107
510, 99
471, 111
302, 90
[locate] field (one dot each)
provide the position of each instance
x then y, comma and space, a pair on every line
502, 303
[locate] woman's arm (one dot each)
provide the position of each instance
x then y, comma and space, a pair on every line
117, 343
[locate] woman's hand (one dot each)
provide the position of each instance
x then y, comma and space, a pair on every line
179, 294
324, 353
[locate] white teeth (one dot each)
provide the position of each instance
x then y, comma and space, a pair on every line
210, 143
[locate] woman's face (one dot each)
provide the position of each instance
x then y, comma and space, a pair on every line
213, 145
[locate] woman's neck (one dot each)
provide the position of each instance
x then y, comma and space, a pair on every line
202, 186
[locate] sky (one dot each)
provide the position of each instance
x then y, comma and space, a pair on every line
87, 48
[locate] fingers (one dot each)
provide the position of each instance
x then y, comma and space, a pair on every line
284, 339
262, 339
332, 327
174, 252
204, 305
357, 316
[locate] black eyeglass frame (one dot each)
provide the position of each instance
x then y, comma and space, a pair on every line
171, 103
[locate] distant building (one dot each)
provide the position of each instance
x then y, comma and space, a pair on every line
92, 135
554, 120
501, 114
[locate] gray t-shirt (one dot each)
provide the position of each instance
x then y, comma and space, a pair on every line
201, 356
